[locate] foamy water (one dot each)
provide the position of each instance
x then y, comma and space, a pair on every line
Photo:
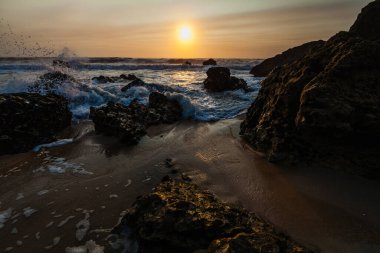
183, 83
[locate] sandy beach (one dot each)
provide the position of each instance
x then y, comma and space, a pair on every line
310, 205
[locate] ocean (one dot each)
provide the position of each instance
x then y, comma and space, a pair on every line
170, 76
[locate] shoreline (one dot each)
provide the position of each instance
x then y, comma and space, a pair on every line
310, 205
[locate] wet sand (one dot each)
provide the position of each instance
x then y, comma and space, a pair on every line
322, 209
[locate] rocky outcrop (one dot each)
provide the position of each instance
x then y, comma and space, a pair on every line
325, 107
219, 79
129, 77
367, 24
209, 62
28, 119
263, 69
126, 123
61, 64
180, 217
130, 123
50, 81
114, 79
135, 83
169, 111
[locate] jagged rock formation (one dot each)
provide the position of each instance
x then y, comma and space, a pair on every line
209, 62
28, 119
180, 217
325, 106
130, 123
289, 56
50, 81
220, 79
114, 79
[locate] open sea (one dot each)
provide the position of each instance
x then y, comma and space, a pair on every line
181, 82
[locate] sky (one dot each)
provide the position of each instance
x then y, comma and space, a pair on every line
152, 28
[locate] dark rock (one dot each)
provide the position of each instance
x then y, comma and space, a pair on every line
209, 62
130, 123
187, 63
325, 107
61, 63
219, 79
367, 24
135, 83
180, 217
169, 162
129, 77
50, 81
105, 79
28, 119
263, 69
126, 123
169, 111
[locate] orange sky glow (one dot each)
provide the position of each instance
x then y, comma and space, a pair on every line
152, 28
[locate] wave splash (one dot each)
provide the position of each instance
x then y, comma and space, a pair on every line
179, 83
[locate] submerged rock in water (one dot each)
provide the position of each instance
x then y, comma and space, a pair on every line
50, 81
130, 123
135, 83
28, 119
180, 217
149, 86
263, 69
325, 106
219, 79
105, 79
114, 79
61, 64
129, 77
209, 62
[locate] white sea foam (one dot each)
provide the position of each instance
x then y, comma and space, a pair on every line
89, 247
59, 165
28, 211
185, 85
53, 144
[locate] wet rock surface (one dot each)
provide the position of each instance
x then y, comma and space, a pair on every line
28, 119
61, 64
129, 123
114, 79
263, 69
219, 79
324, 107
50, 81
181, 217
135, 83
209, 62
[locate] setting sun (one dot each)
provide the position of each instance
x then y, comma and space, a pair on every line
185, 33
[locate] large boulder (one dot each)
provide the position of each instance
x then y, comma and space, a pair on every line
126, 123
129, 123
263, 69
50, 81
28, 119
209, 62
181, 217
219, 79
325, 107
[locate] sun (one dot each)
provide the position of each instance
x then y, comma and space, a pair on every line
185, 33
